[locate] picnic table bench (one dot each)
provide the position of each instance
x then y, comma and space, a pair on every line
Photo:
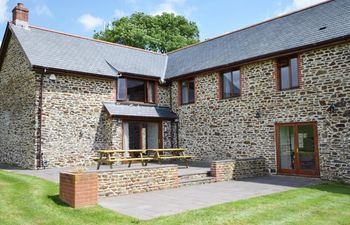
143, 155
169, 153
107, 157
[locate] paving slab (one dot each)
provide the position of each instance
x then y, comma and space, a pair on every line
150, 205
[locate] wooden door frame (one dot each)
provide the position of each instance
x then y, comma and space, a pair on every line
143, 120
297, 171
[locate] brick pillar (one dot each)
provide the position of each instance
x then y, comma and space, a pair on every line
222, 170
78, 189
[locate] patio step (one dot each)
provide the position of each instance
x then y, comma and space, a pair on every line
190, 176
196, 181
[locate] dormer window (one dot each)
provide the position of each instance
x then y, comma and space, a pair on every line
135, 90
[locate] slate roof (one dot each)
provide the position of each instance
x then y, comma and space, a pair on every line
51, 49
288, 32
124, 110
300, 29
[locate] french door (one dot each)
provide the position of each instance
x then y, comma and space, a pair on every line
297, 148
142, 135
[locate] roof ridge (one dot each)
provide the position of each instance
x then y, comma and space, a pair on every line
251, 26
95, 40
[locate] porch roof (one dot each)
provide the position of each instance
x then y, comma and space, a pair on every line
139, 111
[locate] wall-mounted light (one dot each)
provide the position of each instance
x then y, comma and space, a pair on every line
52, 77
332, 108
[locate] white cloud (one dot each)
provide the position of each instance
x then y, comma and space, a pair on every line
43, 10
168, 6
3, 10
299, 4
90, 22
119, 13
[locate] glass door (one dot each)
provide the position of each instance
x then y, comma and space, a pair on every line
142, 135
297, 151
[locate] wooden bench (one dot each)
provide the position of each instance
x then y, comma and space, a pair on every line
106, 156
169, 153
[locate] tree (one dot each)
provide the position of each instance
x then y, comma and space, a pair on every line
161, 33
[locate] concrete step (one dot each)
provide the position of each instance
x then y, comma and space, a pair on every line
196, 181
191, 176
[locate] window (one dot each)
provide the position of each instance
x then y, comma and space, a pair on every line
288, 73
121, 89
136, 90
187, 91
231, 84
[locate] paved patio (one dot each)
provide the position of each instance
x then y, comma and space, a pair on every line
168, 202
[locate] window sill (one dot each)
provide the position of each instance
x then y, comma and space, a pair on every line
290, 89
184, 104
135, 102
230, 98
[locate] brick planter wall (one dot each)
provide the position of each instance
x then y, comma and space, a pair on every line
224, 170
78, 189
129, 181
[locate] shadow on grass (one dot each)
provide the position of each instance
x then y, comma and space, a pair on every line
56, 199
332, 187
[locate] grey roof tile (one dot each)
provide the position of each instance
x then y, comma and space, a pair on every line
61, 51
288, 32
123, 110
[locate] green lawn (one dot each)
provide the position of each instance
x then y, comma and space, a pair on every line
30, 200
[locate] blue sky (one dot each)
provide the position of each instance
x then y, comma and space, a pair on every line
214, 17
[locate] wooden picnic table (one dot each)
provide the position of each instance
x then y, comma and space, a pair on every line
169, 153
107, 156
143, 155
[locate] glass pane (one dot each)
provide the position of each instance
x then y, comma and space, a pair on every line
152, 135
150, 92
236, 82
191, 91
287, 147
184, 92
135, 135
227, 81
136, 90
294, 68
306, 147
121, 89
284, 71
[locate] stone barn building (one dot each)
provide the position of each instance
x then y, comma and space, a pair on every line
279, 90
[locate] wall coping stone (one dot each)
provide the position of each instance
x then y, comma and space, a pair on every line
134, 168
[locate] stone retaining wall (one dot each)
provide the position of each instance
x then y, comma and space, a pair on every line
129, 181
238, 169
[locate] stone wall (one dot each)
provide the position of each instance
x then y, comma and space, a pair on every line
215, 129
18, 109
224, 170
74, 121
136, 180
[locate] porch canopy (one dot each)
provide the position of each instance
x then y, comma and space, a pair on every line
140, 111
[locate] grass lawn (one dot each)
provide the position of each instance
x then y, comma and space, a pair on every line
30, 200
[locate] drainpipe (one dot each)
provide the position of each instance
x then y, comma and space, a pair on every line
39, 156
172, 121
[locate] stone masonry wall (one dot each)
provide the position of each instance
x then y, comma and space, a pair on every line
224, 170
74, 121
129, 181
215, 129
18, 109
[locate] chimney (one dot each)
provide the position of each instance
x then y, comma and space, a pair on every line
20, 15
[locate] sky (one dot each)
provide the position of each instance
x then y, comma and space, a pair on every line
213, 17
